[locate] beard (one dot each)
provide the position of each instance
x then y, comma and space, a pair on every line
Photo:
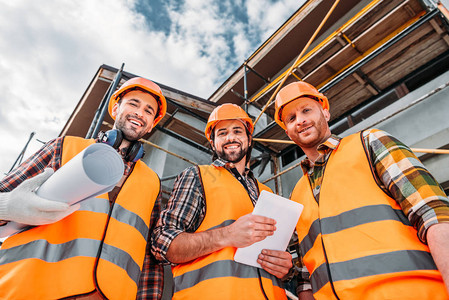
318, 136
232, 156
129, 133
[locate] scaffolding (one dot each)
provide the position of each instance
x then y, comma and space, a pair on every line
416, 21
353, 49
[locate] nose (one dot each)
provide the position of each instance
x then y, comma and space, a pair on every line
230, 137
300, 119
139, 112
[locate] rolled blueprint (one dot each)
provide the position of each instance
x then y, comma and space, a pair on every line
92, 172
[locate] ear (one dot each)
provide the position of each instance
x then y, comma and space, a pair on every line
150, 128
152, 125
250, 140
327, 114
212, 145
115, 110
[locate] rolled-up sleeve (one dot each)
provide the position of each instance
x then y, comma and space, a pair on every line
408, 181
184, 212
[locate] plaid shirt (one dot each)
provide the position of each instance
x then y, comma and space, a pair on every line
186, 207
49, 156
398, 172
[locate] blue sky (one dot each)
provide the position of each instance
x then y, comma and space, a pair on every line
50, 51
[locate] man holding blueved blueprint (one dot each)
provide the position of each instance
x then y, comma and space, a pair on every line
95, 250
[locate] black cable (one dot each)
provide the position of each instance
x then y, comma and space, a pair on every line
261, 285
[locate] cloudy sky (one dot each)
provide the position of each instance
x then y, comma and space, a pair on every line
50, 51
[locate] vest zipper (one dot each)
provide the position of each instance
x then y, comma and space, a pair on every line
327, 266
328, 269
97, 259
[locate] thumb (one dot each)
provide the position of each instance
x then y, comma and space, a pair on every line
37, 180
50, 205
48, 217
70, 209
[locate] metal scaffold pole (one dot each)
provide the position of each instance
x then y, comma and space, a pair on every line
297, 59
22, 153
103, 107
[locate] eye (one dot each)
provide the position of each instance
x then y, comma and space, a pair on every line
290, 118
305, 110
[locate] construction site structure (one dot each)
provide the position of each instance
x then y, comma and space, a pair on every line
381, 63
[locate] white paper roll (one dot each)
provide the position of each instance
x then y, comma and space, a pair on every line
92, 172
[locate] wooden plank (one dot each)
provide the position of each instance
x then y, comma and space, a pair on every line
189, 102
439, 30
387, 25
325, 50
365, 84
412, 39
322, 55
276, 134
188, 132
366, 40
345, 96
372, 28
378, 12
341, 59
417, 49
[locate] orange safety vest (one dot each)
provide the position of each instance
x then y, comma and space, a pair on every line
356, 242
217, 275
99, 247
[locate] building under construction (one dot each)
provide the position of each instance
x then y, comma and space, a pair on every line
381, 63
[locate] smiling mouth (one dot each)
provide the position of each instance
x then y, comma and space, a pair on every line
135, 122
305, 129
231, 147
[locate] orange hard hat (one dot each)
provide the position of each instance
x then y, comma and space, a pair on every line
143, 84
227, 111
294, 91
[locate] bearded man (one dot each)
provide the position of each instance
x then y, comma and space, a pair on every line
208, 217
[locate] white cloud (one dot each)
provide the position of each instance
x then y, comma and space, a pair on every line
265, 21
50, 50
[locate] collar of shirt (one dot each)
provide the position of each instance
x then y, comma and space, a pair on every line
128, 167
324, 151
229, 165
248, 180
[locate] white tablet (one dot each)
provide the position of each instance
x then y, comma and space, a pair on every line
286, 213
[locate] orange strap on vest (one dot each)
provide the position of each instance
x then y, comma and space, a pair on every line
217, 275
357, 243
94, 248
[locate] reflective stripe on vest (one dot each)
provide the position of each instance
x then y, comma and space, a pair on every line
217, 275
59, 260
359, 236
223, 268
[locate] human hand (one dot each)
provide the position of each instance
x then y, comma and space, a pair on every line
249, 229
24, 206
275, 262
